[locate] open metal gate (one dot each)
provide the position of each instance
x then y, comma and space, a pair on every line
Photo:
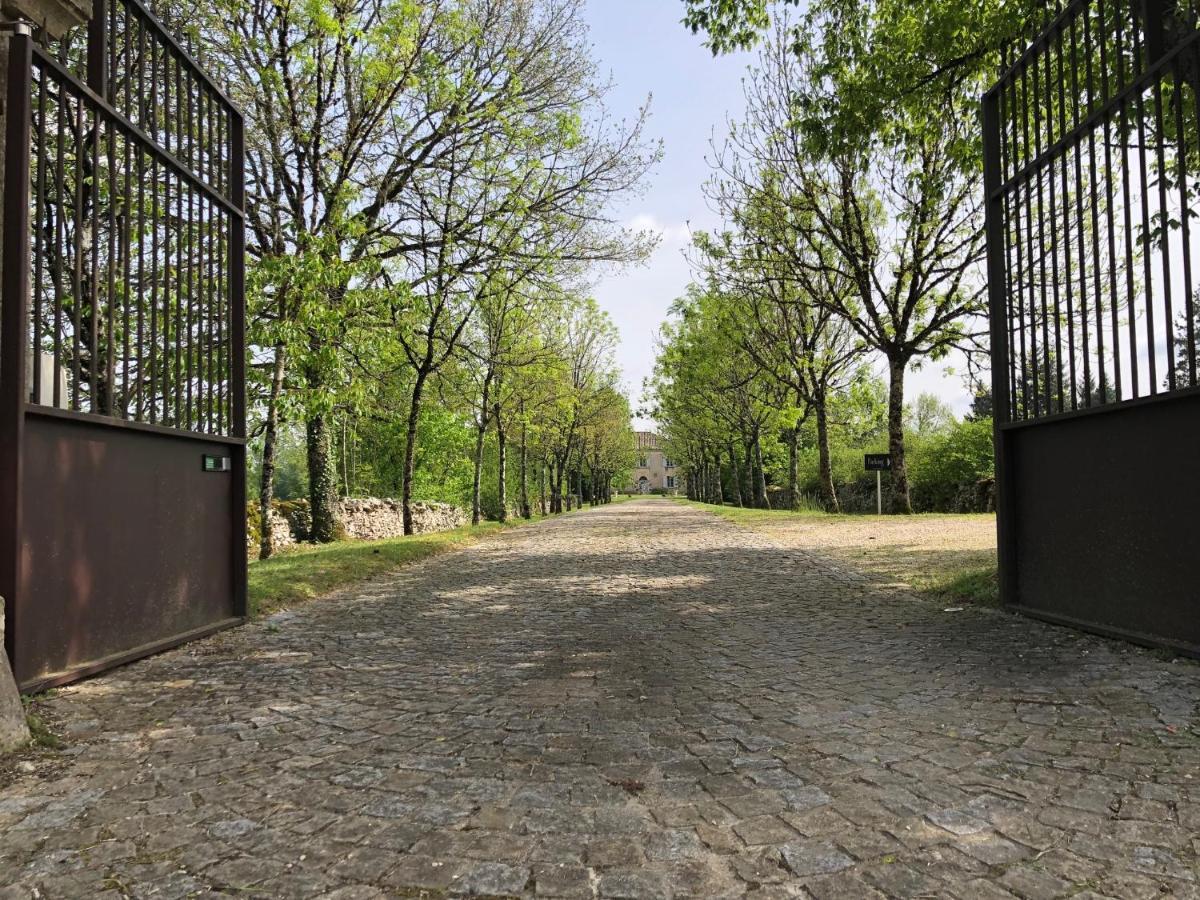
1092, 163
122, 461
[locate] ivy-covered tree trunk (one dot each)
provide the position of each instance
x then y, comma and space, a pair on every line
901, 502
828, 491
502, 465
322, 487
266, 489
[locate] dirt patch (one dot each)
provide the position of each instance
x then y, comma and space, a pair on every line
950, 557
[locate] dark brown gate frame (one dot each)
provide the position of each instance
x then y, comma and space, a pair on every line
218, 181
1123, 563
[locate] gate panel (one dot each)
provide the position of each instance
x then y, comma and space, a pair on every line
1092, 157
124, 533
1107, 510
123, 362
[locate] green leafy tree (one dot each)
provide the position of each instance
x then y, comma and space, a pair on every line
397, 152
891, 216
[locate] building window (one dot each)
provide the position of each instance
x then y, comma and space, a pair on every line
670, 482
669, 463
642, 462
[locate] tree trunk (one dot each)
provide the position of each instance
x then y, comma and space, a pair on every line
480, 435
736, 475
477, 473
900, 500
556, 486
502, 464
523, 500
748, 473
345, 459
828, 491
321, 479
266, 490
542, 487
760, 483
410, 449
793, 442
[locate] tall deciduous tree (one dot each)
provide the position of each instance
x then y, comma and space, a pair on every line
404, 148
892, 216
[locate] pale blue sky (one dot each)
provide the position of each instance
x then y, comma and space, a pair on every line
642, 44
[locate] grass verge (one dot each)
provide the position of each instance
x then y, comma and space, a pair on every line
944, 557
307, 572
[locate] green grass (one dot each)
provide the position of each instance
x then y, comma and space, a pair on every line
746, 516
977, 584
40, 734
921, 552
307, 572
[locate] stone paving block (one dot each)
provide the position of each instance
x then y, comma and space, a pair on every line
490, 879
638, 884
562, 881
665, 706
809, 857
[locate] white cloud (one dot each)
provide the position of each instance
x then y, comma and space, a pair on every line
671, 235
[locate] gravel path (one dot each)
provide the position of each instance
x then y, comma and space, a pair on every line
639, 701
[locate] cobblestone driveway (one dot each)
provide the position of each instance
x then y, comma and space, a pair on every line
635, 702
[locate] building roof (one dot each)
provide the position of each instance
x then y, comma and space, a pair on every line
648, 440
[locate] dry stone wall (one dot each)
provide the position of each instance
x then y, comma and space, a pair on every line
362, 519
374, 518
282, 535
281, 530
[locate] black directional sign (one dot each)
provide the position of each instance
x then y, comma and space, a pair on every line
878, 462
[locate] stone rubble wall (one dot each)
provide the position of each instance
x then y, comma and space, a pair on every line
375, 518
281, 530
281, 534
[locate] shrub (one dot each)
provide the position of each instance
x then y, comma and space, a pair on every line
954, 469
253, 524
951, 469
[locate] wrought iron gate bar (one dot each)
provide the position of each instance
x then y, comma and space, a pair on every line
1040, 42
1092, 176
1146, 80
136, 215
122, 371
63, 76
1095, 241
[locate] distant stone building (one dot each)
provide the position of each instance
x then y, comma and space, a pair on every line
655, 470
